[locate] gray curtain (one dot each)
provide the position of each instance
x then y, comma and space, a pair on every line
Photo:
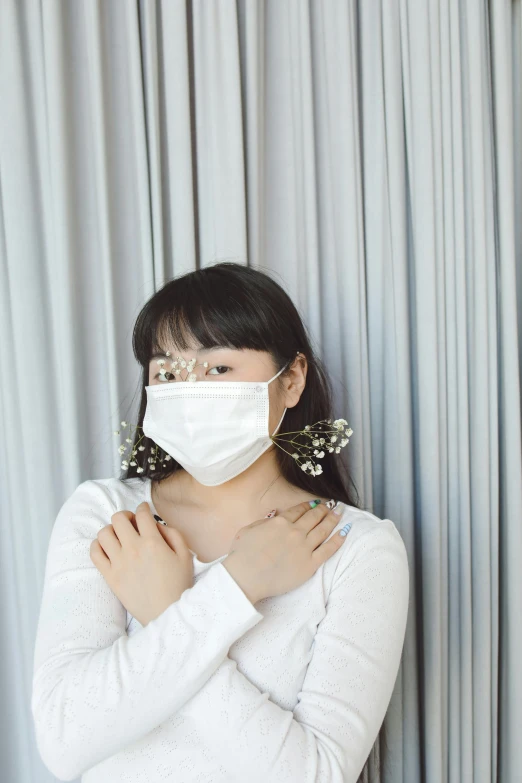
369, 155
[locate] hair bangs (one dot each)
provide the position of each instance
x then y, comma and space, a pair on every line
207, 314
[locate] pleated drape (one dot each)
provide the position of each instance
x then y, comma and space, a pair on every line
369, 155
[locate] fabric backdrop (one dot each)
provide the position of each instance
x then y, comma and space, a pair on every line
370, 156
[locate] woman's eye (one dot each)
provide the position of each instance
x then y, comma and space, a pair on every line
219, 367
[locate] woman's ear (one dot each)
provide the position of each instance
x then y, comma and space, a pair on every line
295, 380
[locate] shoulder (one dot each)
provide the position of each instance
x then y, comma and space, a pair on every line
122, 494
367, 528
90, 506
370, 540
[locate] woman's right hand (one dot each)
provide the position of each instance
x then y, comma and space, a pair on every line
272, 556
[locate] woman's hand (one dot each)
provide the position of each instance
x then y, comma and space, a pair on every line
272, 556
147, 565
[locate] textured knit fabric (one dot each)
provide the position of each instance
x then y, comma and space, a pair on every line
293, 689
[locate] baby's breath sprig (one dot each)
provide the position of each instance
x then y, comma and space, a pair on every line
322, 436
178, 365
152, 459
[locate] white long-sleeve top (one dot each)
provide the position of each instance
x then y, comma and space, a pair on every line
293, 689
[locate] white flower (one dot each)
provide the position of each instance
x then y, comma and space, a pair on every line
128, 440
315, 442
337, 449
123, 423
116, 432
139, 470
141, 448
321, 441
295, 455
192, 376
133, 463
344, 441
330, 449
307, 427
320, 455
318, 470
304, 466
333, 438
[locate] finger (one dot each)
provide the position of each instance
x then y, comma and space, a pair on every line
174, 539
109, 541
124, 523
98, 556
326, 550
147, 525
322, 530
296, 512
312, 517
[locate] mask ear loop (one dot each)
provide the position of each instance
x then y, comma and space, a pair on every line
280, 420
281, 370
270, 381
278, 373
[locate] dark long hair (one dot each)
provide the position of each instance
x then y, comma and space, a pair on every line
235, 306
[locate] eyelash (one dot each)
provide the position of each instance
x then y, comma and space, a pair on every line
212, 368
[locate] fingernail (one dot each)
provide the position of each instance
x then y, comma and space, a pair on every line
338, 509
271, 514
314, 503
345, 530
159, 519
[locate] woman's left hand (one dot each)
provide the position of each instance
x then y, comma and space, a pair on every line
146, 564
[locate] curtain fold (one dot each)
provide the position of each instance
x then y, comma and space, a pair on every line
367, 154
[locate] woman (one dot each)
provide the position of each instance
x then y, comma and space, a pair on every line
205, 617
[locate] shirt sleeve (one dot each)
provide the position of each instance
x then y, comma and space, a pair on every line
347, 687
95, 690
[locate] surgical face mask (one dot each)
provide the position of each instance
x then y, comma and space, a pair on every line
214, 429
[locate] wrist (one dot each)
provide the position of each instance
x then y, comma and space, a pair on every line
242, 575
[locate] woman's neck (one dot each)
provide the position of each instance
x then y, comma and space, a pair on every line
251, 494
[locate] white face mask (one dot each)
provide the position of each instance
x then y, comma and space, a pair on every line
214, 429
